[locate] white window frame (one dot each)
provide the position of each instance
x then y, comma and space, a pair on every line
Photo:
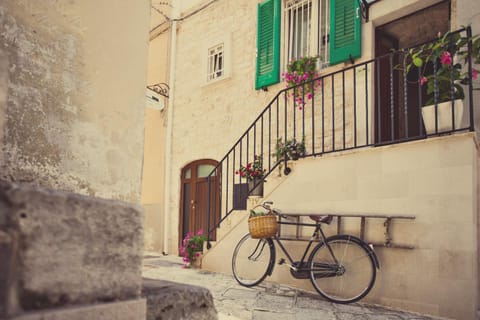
216, 62
314, 38
210, 76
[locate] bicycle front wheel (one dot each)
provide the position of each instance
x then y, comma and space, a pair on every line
344, 274
252, 260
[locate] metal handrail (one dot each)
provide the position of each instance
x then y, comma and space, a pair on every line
353, 92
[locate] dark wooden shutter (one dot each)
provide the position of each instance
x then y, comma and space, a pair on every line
268, 44
345, 30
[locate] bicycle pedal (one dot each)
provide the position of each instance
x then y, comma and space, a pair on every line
281, 261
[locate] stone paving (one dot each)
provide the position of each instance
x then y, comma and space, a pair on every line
267, 301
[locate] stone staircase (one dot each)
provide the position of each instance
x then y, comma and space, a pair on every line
235, 226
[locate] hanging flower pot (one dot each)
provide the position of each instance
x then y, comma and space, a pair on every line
254, 173
255, 187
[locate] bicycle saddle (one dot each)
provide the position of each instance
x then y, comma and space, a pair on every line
322, 219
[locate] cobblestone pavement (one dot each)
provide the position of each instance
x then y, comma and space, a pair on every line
267, 301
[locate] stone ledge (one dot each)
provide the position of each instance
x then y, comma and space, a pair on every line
122, 310
62, 249
175, 301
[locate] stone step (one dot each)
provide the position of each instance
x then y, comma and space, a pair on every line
168, 300
121, 310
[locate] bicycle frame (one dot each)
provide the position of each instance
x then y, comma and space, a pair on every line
322, 267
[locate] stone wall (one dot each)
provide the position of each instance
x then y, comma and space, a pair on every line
74, 115
61, 249
209, 118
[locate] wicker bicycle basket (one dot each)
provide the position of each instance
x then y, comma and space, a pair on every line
263, 226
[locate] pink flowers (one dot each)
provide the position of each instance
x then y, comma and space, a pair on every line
300, 74
191, 247
423, 80
446, 58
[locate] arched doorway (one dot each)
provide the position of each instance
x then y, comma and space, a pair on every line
194, 198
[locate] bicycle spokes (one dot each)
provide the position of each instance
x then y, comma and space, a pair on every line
323, 270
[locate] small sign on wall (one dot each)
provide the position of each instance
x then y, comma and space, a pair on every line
154, 100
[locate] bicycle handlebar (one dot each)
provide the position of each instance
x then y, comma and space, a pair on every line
268, 206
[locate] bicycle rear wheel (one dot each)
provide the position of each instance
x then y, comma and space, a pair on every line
252, 260
350, 277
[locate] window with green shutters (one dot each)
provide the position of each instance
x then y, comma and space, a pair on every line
345, 30
329, 29
268, 44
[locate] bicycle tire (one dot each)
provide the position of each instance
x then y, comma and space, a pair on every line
253, 260
352, 278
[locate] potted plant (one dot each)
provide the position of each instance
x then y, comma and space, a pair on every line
192, 248
254, 173
291, 149
301, 71
449, 54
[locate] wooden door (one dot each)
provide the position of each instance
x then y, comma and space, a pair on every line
386, 100
194, 199
397, 103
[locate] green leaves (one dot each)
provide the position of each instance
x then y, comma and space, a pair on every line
292, 149
418, 62
442, 65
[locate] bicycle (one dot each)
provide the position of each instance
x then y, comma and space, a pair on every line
342, 268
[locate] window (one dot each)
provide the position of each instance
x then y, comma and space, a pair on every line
330, 29
217, 60
308, 24
216, 63
306, 29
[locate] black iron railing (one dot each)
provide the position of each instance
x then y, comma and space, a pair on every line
371, 103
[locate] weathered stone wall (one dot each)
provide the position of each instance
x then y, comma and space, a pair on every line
61, 249
75, 108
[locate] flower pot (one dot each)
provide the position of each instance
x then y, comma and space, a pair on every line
294, 156
197, 263
444, 110
258, 190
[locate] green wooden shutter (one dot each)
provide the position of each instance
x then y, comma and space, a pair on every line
345, 30
268, 44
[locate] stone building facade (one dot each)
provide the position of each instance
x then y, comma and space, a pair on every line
207, 114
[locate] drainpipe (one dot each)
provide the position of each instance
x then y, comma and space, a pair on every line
168, 147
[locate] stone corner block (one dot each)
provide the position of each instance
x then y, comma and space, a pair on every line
175, 301
64, 249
